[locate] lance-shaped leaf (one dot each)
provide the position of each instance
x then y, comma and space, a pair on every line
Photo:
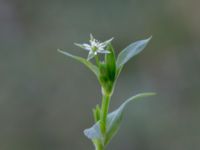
110, 62
113, 121
130, 51
92, 67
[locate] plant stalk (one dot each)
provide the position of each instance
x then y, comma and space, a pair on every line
99, 146
104, 112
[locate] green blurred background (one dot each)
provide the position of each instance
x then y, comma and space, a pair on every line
46, 98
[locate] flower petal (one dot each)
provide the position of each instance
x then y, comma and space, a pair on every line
104, 52
91, 37
83, 46
106, 42
87, 46
91, 55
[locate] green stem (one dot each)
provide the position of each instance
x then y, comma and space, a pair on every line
99, 146
101, 114
97, 60
104, 112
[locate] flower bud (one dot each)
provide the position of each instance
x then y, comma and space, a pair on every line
107, 71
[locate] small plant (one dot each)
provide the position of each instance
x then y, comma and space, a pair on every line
107, 71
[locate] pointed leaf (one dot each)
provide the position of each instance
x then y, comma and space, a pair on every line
92, 67
111, 62
115, 118
93, 133
130, 51
113, 121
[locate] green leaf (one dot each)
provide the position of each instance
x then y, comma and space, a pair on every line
113, 121
96, 113
104, 78
115, 118
107, 71
92, 67
130, 51
110, 62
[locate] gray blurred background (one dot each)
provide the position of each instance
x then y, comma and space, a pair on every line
46, 98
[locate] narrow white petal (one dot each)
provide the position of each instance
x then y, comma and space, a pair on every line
87, 47
83, 46
104, 52
77, 44
91, 37
91, 55
106, 42
101, 48
93, 43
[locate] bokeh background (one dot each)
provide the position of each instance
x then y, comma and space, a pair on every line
46, 98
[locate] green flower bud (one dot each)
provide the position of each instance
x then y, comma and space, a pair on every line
107, 71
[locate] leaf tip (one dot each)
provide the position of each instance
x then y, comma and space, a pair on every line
88, 133
77, 44
151, 94
148, 39
147, 94
85, 132
59, 50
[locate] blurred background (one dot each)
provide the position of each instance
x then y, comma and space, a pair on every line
46, 98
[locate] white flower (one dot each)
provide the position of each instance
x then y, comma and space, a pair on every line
95, 47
